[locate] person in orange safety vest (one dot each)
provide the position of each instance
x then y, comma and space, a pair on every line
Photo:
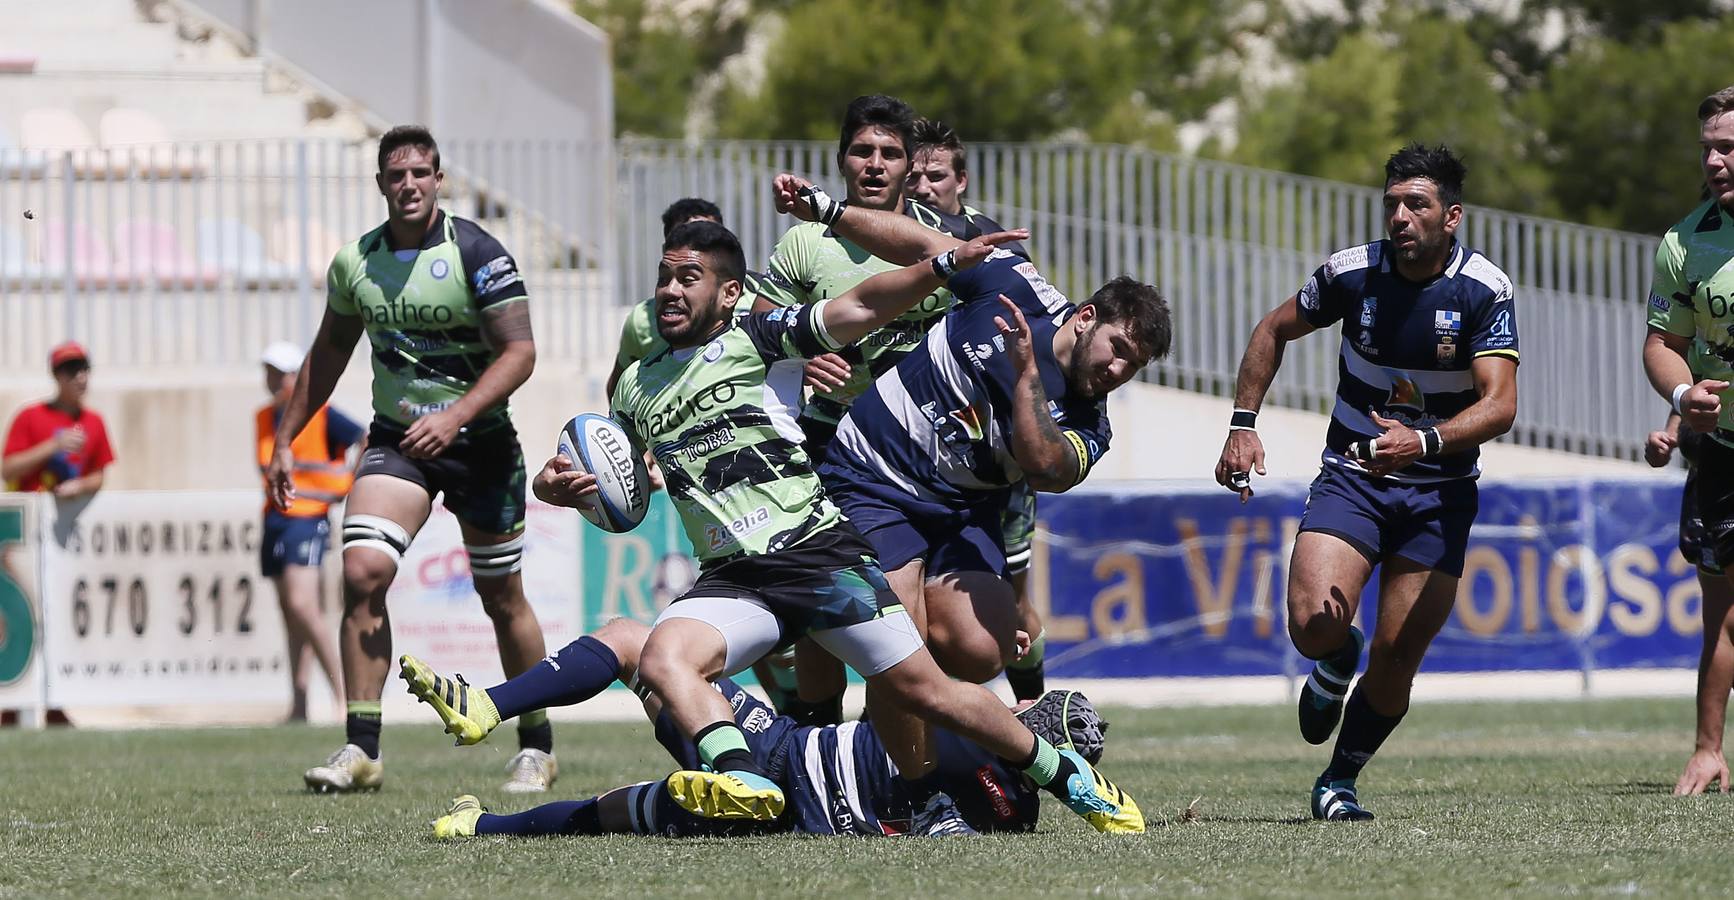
294, 540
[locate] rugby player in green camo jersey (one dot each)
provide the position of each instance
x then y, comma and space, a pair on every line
938, 178
812, 262
1689, 358
639, 339
777, 559
447, 320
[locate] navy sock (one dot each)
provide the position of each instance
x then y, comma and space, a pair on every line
361, 726
578, 672
1363, 731
563, 817
1027, 684
818, 713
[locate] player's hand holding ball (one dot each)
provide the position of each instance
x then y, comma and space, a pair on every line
560, 483
1701, 405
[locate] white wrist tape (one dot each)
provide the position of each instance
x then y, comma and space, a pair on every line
1679, 393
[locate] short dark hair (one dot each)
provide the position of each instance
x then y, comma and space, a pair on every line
408, 136
932, 134
1716, 104
889, 113
1437, 164
686, 209
709, 237
1141, 308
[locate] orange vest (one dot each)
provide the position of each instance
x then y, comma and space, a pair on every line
320, 480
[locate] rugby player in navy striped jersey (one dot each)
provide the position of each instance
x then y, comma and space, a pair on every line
1427, 373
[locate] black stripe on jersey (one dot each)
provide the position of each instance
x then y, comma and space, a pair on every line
762, 463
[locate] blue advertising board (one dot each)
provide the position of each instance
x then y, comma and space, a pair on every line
1166, 579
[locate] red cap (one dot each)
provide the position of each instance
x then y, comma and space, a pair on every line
71, 351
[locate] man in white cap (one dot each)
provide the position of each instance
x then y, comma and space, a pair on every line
295, 537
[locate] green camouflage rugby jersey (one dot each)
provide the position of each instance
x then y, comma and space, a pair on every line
1692, 296
720, 419
422, 309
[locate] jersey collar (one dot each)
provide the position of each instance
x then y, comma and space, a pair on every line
436, 235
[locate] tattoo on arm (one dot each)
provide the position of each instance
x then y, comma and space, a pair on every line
1050, 434
506, 322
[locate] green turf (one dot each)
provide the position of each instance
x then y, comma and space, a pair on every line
1525, 798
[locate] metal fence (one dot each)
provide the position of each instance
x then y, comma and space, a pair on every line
198, 254
1225, 243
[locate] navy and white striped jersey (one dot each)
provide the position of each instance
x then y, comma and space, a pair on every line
938, 425
840, 781
1407, 346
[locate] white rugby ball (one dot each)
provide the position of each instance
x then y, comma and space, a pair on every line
598, 445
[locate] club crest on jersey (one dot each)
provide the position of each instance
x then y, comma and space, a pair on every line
1448, 320
440, 269
713, 351
1369, 308
1446, 353
1405, 394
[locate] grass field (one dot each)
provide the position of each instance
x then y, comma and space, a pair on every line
1518, 798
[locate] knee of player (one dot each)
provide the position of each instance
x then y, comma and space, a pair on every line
373, 546
660, 663
625, 638
366, 574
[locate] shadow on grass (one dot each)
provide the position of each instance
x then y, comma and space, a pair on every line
1638, 789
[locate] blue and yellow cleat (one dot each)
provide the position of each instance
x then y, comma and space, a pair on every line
727, 795
1335, 801
460, 819
467, 711
1107, 808
1323, 694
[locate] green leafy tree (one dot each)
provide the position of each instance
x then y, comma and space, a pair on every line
1620, 124
659, 57
994, 71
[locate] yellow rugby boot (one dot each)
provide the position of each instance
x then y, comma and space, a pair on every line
460, 819
1107, 808
727, 795
467, 711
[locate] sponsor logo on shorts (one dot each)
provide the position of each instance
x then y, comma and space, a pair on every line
737, 700
758, 721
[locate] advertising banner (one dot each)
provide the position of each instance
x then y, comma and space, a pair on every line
436, 615
1181, 579
20, 624
156, 599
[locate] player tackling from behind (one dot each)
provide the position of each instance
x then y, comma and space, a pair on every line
777, 559
1689, 358
447, 320
1427, 373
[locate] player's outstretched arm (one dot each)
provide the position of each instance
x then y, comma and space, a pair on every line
1243, 452
887, 235
1700, 403
876, 301
325, 362
1715, 679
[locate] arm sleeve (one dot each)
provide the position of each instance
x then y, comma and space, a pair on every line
492, 272
1670, 308
1325, 297
341, 432
337, 293
787, 280
1088, 429
1493, 330
795, 332
19, 435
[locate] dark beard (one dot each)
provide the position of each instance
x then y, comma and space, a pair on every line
1077, 371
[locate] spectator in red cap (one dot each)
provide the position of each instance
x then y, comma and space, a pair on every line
58, 445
